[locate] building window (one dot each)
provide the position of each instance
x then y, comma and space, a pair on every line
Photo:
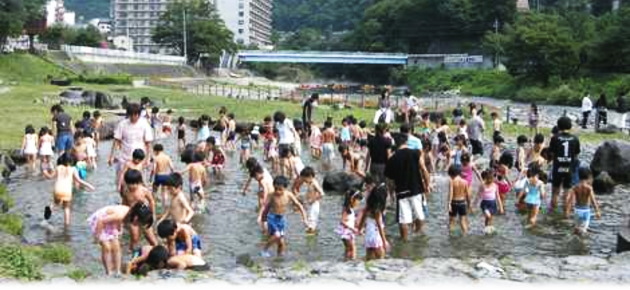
240, 31
240, 41
241, 14
241, 22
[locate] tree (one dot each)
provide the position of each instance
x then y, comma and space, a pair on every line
611, 48
89, 36
11, 19
539, 46
34, 12
206, 32
57, 35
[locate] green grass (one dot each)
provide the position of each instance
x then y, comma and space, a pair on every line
27, 68
11, 224
78, 274
52, 253
24, 262
5, 197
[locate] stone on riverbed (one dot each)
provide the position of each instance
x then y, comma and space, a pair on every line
340, 182
106, 131
614, 158
604, 184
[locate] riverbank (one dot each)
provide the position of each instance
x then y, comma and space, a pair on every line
527, 269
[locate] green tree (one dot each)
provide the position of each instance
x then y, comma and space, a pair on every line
206, 32
57, 35
611, 48
34, 11
540, 46
11, 19
89, 36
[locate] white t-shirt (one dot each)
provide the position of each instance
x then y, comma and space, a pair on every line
587, 105
285, 131
133, 136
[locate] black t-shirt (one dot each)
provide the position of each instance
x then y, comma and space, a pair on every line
404, 169
378, 147
307, 109
458, 112
64, 123
565, 149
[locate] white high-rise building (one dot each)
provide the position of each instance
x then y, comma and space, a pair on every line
56, 13
137, 19
249, 20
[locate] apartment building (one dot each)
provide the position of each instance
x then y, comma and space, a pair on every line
249, 20
137, 19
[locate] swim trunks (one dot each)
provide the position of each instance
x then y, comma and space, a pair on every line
276, 224
161, 179
181, 245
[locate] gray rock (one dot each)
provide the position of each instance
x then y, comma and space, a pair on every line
238, 275
62, 280
609, 129
614, 158
340, 182
604, 184
55, 270
539, 266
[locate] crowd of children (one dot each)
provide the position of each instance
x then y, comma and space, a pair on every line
291, 182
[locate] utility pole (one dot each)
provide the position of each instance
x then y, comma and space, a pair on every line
185, 39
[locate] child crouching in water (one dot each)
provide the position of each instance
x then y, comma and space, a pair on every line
106, 227
275, 209
66, 175
372, 219
583, 196
347, 227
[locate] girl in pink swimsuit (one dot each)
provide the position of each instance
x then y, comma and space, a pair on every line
468, 169
347, 227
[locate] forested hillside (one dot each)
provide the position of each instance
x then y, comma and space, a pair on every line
89, 9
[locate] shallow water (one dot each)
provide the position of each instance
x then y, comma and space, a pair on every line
230, 228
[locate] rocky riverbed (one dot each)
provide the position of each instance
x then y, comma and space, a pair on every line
530, 269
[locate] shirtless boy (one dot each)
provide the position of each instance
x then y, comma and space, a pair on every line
198, 179
162, 168
181, 239
458, 199
179, 209
328, 141
314, 194
137, 193
275, 209
583, 196
136, 163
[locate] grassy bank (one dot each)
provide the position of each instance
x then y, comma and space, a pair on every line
498, 84
26, 68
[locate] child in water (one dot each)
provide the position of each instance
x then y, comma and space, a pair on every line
162, 168
137, 163
347, 229
90, 148
138, 194
583, 196
106, 226
181, 134
46, 144
313, 196
352, 159
275, 209
469, 169
245, 145
534, 193
372, 219
179, 209
458, 199
97, 124
181, 239
198, 179
491, 202
315, 141
66, 175
158, 257
29, 146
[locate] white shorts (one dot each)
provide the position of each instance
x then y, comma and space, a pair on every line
328, 152
313, 214
410, 209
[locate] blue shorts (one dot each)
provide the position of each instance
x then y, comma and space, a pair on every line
276, 224
82, 170
160, 179
64, 141
583, 217
181, 245
490, 205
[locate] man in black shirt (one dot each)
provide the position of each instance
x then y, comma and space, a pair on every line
410, 179
379, 150
564, 149
307, 111
62, 122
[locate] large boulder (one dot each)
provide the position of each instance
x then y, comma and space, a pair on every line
107, 130
623, 238
340, 182
608, 129
614, 158
603, 183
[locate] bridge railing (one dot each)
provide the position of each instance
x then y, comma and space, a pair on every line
91, 54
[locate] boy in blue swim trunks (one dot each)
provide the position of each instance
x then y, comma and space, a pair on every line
161, 172
181, 239
274, 210
583, 196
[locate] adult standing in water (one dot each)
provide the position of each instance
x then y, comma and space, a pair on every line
62, 122
286, 142
407, 174
384, 113
476, 126
307, 112
602, 110
379, 150
131, 133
